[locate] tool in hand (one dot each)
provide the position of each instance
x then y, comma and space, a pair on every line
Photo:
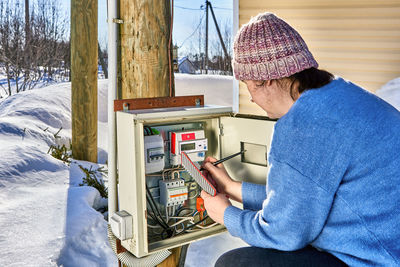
193, 169
225, 159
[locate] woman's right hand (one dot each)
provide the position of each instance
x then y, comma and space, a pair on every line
219, 177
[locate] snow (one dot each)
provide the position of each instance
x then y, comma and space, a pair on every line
217, 89
46, 218
390, 92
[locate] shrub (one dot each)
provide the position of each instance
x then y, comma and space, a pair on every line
91, 179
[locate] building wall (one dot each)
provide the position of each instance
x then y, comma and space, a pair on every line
358, 40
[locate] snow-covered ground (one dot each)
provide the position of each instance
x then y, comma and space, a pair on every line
46, 218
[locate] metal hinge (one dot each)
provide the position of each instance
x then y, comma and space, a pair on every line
221, 129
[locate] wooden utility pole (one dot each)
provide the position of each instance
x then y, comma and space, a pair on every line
206, 49
145, 39
84, 79
146, 67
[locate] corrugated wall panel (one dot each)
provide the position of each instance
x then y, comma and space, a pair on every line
356, 39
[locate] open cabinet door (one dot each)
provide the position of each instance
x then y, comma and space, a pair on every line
252, 134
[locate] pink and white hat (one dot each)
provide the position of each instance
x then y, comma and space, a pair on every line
268, 48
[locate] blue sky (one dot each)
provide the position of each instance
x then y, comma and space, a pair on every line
187, 15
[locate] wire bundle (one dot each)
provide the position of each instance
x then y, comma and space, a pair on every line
182, 223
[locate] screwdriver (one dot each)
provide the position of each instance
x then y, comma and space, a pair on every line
225, 159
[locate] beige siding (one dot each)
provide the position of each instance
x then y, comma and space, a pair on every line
356, 39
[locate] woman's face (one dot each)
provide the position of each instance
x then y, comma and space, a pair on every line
271, 96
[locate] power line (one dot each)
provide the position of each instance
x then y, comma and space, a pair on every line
198, 26
225, 8
188, 8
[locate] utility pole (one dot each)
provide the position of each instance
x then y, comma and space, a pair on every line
27, 49
27, 24
206, 52
146, 67
84, 79
208, 5
218, 31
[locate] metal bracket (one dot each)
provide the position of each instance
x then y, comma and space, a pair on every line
125, 106
118, 21
198, 101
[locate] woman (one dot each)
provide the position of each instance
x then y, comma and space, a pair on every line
332, 194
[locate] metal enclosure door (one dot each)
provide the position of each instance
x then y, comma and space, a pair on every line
252, 134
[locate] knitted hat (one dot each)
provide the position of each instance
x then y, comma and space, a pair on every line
268, 48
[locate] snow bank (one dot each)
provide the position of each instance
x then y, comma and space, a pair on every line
47, 219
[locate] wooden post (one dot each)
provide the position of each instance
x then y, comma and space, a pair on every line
146, 67
172, 260
145, 34
84, 79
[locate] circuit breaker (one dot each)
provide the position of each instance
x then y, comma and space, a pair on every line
154, 153
158, 192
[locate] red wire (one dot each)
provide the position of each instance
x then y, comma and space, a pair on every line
169, 49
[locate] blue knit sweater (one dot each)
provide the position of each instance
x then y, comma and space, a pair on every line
334, 180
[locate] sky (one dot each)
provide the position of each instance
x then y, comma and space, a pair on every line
187, 15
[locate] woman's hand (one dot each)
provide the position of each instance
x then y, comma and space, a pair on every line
215, 206
219, 177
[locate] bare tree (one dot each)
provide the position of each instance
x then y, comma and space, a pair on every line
11, 41
33, 43
102, 55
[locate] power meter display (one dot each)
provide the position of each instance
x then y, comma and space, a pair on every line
193, 142
188, 146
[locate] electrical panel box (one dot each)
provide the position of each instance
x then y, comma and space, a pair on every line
157, 192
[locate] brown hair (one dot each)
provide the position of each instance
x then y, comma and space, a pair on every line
308, 79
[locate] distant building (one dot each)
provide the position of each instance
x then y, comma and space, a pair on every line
186, 66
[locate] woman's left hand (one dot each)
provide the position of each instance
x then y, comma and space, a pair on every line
215, 206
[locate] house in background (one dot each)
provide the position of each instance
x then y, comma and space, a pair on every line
357, 40
186, 66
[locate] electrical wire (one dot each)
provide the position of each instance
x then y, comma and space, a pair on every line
155, 210
206, 227
188, 8
224, 8
154, 216
198, 26
193, 225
